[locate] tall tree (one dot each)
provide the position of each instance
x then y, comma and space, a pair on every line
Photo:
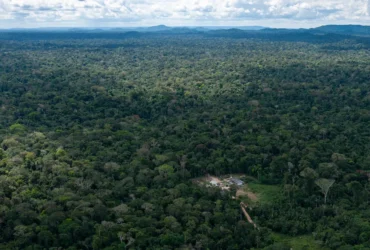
325, 185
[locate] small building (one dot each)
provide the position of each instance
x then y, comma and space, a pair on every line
214, 183
236, 181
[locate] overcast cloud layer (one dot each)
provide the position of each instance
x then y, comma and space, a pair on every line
105, 13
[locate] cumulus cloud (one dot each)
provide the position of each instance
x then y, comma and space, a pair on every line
91, 12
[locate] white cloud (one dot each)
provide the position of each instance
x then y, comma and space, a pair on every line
177, 12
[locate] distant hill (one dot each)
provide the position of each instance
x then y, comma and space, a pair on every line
351, 30
356, 30
230, 27
323, 34
161, 28
156, 28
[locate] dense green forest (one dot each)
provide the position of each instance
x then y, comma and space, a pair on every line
101, 135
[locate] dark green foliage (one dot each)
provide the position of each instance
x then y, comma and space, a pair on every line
100, 140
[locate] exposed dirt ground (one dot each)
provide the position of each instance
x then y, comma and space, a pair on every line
252, 196
242, 191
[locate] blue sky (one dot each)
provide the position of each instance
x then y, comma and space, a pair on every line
125, 13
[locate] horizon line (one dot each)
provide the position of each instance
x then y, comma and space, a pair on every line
176, 26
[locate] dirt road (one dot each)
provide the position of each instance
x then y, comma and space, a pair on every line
247, 216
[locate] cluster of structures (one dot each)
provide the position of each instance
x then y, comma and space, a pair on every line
225, 183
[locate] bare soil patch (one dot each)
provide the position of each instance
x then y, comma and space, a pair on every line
252, 196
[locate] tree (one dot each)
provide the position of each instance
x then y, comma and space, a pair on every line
310, 175
165, 170
17, 128
325, 185
356, 189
